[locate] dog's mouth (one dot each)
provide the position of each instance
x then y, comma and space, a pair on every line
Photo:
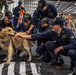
12, 34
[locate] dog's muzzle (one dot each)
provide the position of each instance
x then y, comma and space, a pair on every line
12, 34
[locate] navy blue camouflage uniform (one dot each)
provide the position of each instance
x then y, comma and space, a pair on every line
51, 13
3, 25
2, 22
66, 39
41, 48
22, 28
16, 15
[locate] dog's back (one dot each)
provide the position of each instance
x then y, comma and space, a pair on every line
22, 42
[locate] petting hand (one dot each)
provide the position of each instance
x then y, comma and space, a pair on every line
58, 50
42, 44
21, 36
28, 32
17, 36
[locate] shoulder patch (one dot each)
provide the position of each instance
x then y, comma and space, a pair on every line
64, 36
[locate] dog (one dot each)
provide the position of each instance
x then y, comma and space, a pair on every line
8, 42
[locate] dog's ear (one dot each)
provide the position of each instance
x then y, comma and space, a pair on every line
2, 31
1, 37
0, 34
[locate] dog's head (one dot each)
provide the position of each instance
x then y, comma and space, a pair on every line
8, 31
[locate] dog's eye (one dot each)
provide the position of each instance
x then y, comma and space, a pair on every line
9, 30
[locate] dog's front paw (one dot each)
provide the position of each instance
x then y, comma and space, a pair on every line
29, 60
7, 62
5, 59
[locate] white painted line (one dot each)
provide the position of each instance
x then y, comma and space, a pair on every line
70, 74
34, 69
11, 68
22, 70
1, 66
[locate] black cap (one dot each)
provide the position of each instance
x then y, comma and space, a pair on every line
41, 4
56, 21
27, 17
20, 2
45, 20
8, 14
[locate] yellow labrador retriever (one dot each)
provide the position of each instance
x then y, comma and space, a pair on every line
7, 41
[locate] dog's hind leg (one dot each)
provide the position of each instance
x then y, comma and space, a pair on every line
29, 52
26, 46
30, 56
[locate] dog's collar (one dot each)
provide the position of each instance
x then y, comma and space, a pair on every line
7, 43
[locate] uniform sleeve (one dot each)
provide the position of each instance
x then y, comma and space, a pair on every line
24, 9
72, 41
1, 25
15, 12
41, 36
35, 17
52, 11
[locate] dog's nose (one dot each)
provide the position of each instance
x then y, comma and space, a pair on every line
15, 32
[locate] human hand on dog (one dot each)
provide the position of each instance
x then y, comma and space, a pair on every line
28, 32
17, 36
58, 50
23, 36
